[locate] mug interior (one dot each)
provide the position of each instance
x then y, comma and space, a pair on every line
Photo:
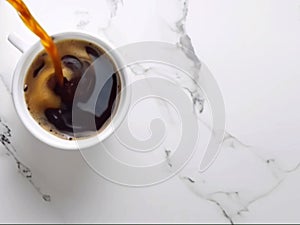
32, 125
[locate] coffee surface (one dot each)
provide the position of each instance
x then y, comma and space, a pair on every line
53, 105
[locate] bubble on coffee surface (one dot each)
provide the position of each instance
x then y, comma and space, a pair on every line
51, 105
25, 87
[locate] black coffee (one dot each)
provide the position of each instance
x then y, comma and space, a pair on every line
52, 105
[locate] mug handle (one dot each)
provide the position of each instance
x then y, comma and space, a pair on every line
18, 42
22, 46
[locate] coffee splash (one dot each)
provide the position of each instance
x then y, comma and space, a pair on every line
46, 40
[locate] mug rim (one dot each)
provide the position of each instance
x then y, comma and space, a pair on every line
32, 125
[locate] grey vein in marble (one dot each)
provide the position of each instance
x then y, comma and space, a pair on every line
186, 46
210, 199
168, 152
221, 197
82, 24
84, 19
5, 135
114, 6
231, 203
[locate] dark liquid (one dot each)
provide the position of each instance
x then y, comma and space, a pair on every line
55, 110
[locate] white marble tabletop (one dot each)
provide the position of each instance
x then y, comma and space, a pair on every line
251, 48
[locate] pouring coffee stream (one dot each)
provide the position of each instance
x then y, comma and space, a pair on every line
46, 40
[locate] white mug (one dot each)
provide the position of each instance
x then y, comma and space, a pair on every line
29, 54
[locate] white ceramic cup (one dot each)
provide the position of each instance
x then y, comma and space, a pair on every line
29, 54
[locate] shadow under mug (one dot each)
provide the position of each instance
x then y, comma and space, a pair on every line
17, 90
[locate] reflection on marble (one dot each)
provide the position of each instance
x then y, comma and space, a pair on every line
255, 176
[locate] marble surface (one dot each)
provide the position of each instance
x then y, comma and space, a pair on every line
251, 47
